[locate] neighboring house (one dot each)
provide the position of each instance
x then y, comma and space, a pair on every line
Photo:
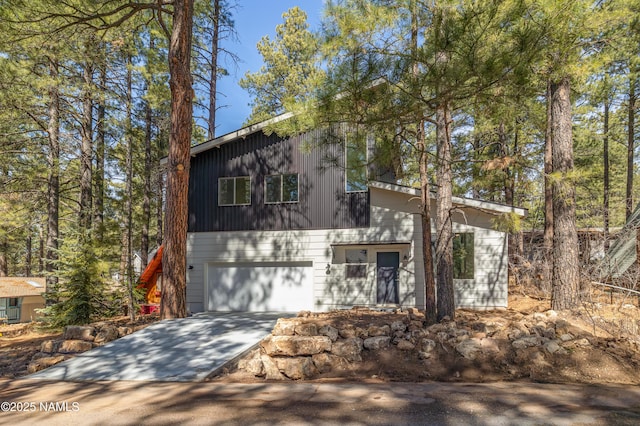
274, 227
151, 278
20, 297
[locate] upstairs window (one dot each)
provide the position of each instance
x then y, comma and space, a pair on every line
234, 191
281, 189
356, 163
463, 256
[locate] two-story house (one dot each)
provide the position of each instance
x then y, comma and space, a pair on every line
274, 226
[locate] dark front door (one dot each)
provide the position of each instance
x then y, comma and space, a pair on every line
387, 277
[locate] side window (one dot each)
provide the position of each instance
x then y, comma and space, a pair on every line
356, 261
281, 188
234, 191
355, 163
463, 256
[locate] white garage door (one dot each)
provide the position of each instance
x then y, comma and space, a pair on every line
286, 287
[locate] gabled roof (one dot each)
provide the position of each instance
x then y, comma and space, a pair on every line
245, 131
235, 135
154, 266
457, 201
22, 286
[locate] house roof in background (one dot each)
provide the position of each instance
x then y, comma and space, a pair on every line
22, 286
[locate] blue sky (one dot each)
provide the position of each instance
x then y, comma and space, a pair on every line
253, 20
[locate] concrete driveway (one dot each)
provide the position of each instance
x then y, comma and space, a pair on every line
178, 350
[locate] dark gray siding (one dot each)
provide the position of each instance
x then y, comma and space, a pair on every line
324, 203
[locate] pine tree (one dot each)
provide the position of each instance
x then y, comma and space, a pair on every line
290, 74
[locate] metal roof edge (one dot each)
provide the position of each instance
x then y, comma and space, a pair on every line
237, 134
468, 202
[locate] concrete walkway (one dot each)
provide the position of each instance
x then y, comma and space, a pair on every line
178, 350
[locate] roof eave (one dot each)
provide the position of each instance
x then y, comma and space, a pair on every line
238, 134
466, 202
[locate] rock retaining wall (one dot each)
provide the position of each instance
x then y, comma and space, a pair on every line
307, 347
75, 340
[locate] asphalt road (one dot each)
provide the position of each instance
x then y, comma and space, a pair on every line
31, 402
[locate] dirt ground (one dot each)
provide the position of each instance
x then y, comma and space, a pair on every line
612, 357
20, 342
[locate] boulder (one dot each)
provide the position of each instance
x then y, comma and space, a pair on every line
124, 331
271, 370
469, 348
424, 355
566, 337
405, 345
553, 347
398, 326
285, 327
415, 325
526, 342
306, 329
375, 330
252, 364
295, 345
489, 345
74, 346
330, 332
79, 332
323, 362
349, 349
428, 345
50, 346
297, 368
106, 334
348, 332
377, 342
42, 363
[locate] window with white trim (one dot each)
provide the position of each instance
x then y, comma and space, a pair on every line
282, 188
234, 191
356, 260
463, 256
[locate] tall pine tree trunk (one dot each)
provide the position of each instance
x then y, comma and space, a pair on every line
431, 308
98, 216
53, 184
566, 269
28, 257
427, 254
631, 119
129, 191
213, 79
444, 204
173, 300
605, 157
548, 194
146, 194
4, 265
86, 150
159, 207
